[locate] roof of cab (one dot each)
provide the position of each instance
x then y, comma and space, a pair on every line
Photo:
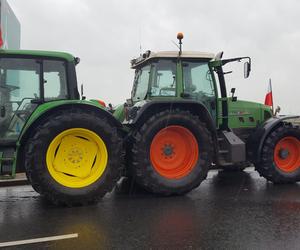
184, 54
170, 54
39, 53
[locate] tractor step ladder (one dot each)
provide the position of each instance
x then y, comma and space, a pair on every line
7, 166
231, 148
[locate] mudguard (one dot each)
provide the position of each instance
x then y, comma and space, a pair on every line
256, 140
51, 107
138, 114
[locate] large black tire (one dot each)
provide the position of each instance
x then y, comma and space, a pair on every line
142, 168
268, 166
40, 141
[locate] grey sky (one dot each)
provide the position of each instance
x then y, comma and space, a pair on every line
107, 34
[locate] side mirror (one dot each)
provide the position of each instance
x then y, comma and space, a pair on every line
247, 69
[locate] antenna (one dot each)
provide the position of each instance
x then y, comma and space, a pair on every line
140, 38
175, 44
180, 37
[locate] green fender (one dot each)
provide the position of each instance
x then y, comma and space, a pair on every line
51, 107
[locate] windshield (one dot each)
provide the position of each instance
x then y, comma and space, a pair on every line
141, 82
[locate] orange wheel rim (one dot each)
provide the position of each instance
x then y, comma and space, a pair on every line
174, 152
287, 154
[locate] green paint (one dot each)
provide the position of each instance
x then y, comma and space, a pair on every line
24, 53
244, 114
179, 79
41, 109
119, 113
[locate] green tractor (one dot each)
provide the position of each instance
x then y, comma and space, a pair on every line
70, 149
180, 122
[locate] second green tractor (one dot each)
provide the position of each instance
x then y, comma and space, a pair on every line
180, 122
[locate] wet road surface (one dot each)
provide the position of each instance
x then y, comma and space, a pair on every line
228, 211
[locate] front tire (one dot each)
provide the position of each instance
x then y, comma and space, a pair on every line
280, 159
75, 157
171, 153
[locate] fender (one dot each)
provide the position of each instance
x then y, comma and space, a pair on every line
149, 108
44, 110
256, 141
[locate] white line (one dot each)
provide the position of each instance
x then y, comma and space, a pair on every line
37, 240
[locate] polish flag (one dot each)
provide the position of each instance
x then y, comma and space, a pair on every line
269, 95
1, 39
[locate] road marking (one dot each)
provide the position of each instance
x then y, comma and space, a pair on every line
38, 240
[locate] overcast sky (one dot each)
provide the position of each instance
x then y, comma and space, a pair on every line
106, 34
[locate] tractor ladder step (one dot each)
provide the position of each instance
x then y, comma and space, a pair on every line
7, 166
231, 148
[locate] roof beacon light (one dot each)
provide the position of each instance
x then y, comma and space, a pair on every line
180, 37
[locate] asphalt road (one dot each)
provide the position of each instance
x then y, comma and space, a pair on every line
228, 211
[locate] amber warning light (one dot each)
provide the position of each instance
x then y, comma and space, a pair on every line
180, 37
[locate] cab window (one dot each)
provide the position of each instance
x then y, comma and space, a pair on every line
199, 85
163, 78
55, 80
141, 82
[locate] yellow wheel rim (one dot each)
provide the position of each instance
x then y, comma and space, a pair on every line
76, 158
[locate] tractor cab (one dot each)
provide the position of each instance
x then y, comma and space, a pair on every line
26, 82
166, 75
163, 74
29, 79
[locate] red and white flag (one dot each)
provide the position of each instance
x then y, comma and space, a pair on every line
1, 39
269, 95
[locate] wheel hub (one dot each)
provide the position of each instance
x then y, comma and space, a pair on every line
174, 152
284, 153
75, 155
168, 150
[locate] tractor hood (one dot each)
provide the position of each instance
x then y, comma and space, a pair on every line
247, 114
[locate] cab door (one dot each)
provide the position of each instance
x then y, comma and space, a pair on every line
24, 84
199, 85
19, 85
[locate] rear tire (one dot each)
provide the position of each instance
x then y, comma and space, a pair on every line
74, 157
171, 153
280, 158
